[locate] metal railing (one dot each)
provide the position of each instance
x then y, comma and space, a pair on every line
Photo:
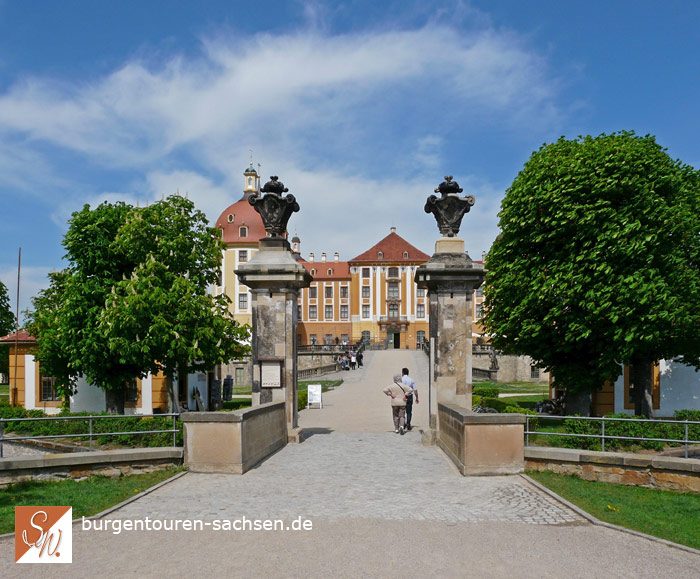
90, 434
685, 441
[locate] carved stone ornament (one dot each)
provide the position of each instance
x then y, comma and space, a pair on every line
449, 209
274, 209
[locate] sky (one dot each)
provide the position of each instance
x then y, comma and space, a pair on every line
360, 107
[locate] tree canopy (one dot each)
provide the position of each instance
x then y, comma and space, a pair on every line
7, 325
598, 260
135, 297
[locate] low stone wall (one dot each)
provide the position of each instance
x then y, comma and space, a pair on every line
233, 442
652, 471
79, 465
481, 444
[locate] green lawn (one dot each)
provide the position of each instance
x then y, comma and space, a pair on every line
242, 390
4, 392
326, 385
87, 497
665, 514
512, 387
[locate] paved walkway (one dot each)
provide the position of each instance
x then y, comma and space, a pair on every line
380, 505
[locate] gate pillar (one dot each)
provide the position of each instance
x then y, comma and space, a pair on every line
275, 278
450, 278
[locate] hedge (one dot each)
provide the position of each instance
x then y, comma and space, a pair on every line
62, 427
636, 429
485, 392
236, 404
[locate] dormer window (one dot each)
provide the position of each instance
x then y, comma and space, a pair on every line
242, 232
230, 218
405, 254
330, 271
380, 255
313, 272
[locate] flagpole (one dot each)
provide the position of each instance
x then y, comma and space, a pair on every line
14, 396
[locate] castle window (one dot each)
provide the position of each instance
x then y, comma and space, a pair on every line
329, 312
242, 256
393, 272
243, 301
313, 272
312, 293
230, 217
393, 311
365, 311
343, 291
312, 312
393, 289
405, 254
329, 291
365, 272
420, 311
343, 312
330, 271
365, 291
242, 232
380, 255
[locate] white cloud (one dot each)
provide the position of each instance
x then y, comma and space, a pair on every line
358, 125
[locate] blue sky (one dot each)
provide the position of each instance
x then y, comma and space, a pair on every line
361, 107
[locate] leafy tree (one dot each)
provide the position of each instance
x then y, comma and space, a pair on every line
7, 325
598, 263
162, 317
134, 299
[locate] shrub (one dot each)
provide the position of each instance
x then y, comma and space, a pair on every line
236, 404
496, 403
302, 398
534, 422
485, 392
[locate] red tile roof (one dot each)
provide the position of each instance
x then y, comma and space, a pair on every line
392, 247
341, 269
23, 336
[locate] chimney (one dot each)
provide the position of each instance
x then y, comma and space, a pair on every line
311, 258
336, 257
393, 229
323, 257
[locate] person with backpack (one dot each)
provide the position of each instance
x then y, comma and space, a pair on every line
398, 392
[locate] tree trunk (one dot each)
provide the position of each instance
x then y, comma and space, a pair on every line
641, 383
114, 400
578, 402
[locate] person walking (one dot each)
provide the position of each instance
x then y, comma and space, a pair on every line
398, 392
360, 356
353, 360
408, 381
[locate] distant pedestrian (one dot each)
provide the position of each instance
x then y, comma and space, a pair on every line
398, 393
408, 381
353, 360
360, 356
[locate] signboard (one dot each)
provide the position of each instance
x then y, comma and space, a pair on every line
270, 374
315, 395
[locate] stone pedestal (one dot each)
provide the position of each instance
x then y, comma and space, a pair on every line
450, 278
275, 277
